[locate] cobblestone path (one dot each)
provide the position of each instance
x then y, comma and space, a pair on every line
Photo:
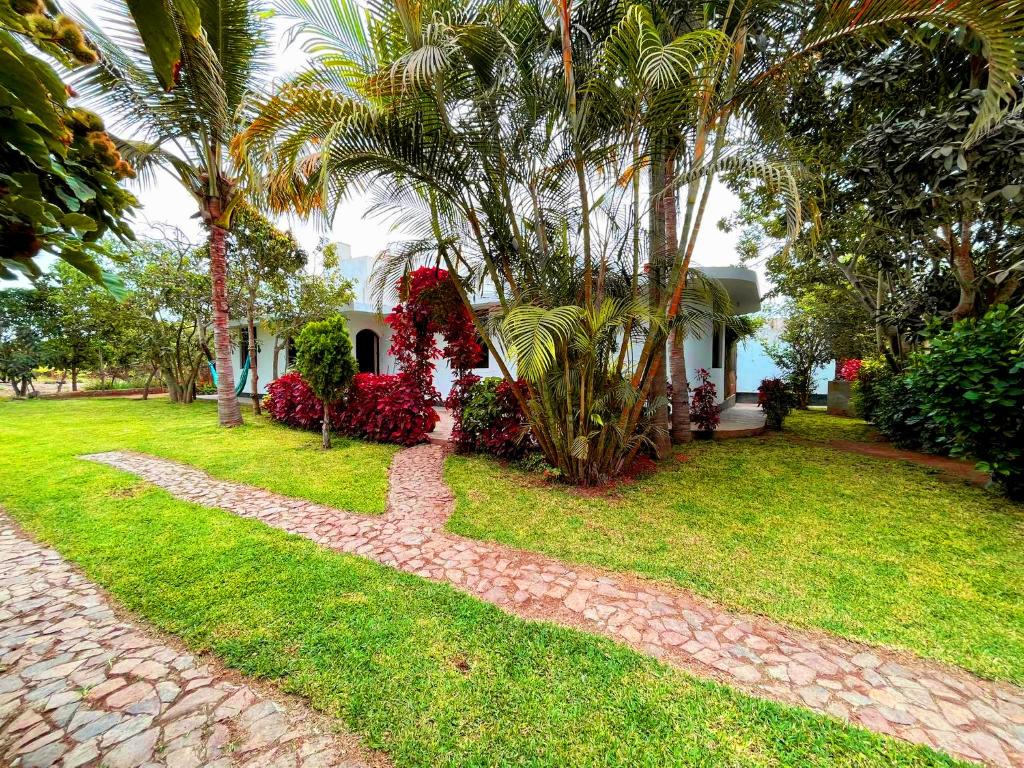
920, 701
81, 687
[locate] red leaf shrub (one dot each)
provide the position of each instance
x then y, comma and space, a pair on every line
290, 401
431, 306
379, 407
387, 408
490, 420
849, 369
705, 412
776, 399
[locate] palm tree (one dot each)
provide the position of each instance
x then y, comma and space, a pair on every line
510, 138
176, 74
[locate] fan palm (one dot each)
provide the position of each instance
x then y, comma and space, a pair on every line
175, 73
511, 138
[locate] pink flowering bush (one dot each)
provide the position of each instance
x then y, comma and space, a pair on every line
849, 369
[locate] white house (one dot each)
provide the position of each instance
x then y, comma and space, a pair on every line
371, 336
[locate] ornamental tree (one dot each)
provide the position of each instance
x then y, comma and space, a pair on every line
325, 362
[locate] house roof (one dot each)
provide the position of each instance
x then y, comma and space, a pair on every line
741, 283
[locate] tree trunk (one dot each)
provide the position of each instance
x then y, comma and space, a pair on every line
74, 378
145, 389
254, 388
275, 368
228, 410
680, 391
326, 427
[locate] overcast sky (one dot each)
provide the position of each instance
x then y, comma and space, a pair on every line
167, 202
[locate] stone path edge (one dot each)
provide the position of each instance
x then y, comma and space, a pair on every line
102, 626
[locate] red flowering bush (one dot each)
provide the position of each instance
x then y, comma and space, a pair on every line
290, 401
704, 410
850, 369
491, 421
431, 306
387, 408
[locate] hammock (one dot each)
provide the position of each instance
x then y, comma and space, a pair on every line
242, 376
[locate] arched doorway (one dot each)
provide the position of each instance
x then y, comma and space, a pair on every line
368, 351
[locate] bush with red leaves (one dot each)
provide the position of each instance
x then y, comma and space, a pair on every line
705, 412
491, 421
431, 306
387, 408
379, 407
290, 401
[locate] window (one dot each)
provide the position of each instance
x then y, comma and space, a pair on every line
291, 352
716, 347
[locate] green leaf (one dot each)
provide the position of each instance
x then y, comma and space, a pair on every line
79, 221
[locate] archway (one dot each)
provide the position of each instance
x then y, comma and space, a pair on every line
368, 351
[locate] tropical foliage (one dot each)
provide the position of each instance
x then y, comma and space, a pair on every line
914, 218
562, 158
59, 169
969, 384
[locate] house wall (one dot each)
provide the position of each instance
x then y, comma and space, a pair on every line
753, 363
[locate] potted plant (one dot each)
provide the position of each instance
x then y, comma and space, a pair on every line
704, 411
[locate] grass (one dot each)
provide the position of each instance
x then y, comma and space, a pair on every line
872, 550
353, 475
433, 676
815, 424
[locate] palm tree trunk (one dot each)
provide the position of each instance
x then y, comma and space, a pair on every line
228, 411
325, 428
680, 391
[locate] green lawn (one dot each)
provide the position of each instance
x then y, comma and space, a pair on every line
353, 475
430, 675
877, 551
815, 424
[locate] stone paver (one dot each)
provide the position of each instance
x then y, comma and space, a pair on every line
920, 701
80, 687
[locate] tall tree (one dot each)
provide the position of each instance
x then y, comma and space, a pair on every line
170, 305
263, 254
294, 300
176, 74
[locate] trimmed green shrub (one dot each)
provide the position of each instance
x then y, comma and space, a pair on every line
324, 360
970, 390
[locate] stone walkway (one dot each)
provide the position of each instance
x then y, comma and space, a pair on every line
80, 687
913, 699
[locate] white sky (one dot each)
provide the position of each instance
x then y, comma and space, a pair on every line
167, 202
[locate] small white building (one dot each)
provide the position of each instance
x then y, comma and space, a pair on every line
371, 336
